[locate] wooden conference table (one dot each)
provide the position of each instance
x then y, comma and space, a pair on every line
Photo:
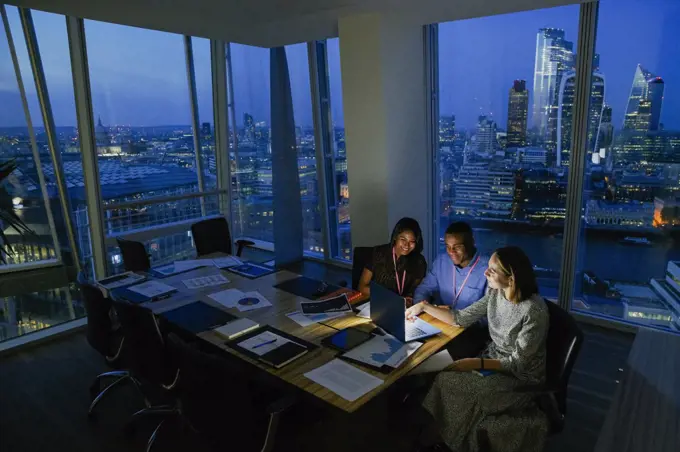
275, 315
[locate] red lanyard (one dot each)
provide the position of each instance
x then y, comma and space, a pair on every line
400, 287
456, 294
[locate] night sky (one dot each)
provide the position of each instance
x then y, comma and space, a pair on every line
138, 76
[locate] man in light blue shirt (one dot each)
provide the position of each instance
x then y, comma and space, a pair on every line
456, 279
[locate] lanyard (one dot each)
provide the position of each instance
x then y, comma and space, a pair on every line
456, 294
400, 287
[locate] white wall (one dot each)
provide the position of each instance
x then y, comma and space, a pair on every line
384, 101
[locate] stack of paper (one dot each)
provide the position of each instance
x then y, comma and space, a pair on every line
205, 281
306, 320
344, 379
234, 298
227, 261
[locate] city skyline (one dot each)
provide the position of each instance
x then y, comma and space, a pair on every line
121, 80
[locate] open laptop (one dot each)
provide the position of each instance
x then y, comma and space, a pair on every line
387, 311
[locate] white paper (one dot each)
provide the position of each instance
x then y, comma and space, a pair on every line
383, 350
227, 298
165, 269
227, 261
262, 343
365, 311
344, 379
271, 263
262, 303
181, 266
205, 281
152, 289
306, 320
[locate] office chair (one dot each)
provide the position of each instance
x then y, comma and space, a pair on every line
135, 257
562, 348
233, 415
213, 235
360, 256
105, 339
148, 362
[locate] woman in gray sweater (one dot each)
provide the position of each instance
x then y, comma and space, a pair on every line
472, 412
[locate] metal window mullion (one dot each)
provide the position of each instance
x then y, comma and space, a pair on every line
50, 131
579, 138
234, 130
321, 138
75, 29
31, 134
221, 126
431, 50
195, 123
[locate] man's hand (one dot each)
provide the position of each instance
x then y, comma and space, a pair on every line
464, 365
415, 310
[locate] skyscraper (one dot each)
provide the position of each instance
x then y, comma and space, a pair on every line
566, 111
486, 135
554, 56
644, 103
605, 140
249, 127
518, 108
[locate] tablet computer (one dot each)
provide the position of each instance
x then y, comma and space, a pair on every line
347, 339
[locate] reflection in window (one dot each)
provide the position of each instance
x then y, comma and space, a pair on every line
499, 125
21, 191
143, 127
341, 181
629, 246
252, 205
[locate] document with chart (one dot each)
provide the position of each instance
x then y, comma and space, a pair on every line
383, 351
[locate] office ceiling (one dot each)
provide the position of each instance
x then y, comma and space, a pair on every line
270, 23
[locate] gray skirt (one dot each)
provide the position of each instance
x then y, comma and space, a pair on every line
475, 413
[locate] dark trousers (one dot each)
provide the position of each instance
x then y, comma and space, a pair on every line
470, 343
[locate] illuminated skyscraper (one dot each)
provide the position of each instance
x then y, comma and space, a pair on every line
554, 56
486, 135
518, 108
644, 103
249, 127
566, 111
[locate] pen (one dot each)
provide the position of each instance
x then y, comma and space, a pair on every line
265, 343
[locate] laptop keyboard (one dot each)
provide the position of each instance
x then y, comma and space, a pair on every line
413, 331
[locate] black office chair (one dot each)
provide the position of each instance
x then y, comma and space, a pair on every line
221, 402
362, 254
562, 348
105, 339
211, 236
148, 362
135, 257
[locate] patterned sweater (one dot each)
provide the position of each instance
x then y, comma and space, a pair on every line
518, 332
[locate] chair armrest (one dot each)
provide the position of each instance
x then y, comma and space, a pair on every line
282, 404
240, 244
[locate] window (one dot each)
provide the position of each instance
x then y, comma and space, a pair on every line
341, 182
497, 155
144, 136
202, 71
22, 190
252, 204
629, 256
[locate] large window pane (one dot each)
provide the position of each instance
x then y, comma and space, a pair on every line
341, 182
252, 205
629, 244
144, 137
498, 128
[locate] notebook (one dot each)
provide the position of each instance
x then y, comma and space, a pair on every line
197, 317
116, 281
144, 292
284, 354
251, 270
236, 328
